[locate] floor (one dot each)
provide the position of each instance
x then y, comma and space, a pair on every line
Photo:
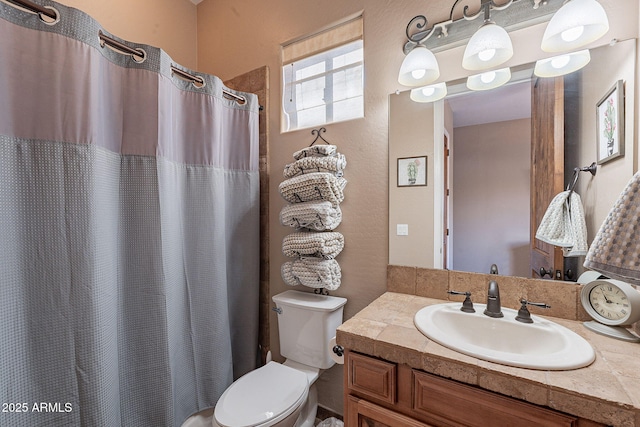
204, 418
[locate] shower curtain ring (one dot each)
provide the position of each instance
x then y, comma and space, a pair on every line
48, 19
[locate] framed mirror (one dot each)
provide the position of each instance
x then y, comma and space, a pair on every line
479, 201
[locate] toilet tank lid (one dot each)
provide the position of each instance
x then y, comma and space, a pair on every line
309, 301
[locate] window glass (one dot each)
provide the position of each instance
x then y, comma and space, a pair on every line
323, 88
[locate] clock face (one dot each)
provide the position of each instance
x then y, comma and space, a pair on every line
609, 302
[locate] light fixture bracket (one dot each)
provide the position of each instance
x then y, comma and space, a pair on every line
510, 15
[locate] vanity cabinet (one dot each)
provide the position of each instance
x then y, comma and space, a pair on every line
379, 393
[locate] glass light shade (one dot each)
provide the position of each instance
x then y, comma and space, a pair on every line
575, 24
490, 46
489, 79
562, 64
419, 68
429, 93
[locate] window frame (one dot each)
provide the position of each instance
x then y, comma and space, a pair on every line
333, 43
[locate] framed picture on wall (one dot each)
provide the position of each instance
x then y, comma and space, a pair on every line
610, 124
412, 171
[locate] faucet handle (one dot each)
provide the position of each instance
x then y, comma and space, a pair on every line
523, 314
467, 305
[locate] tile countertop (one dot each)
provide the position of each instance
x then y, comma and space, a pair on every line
607, 391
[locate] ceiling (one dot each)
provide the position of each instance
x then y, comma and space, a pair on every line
509, 102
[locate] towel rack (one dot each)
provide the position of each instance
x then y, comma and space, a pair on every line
317, 132
592, 168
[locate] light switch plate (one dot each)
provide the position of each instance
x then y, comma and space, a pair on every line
402, 229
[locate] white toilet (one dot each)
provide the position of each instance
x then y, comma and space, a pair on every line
283, 395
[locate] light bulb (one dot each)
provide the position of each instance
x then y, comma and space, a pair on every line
572, 34
488, 77
487, 54
562, 64
428, 91
418, 74
560, 61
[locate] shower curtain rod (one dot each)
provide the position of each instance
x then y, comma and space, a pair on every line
52, 13
35, 8
183, 74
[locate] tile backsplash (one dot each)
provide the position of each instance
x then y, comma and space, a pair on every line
563, 297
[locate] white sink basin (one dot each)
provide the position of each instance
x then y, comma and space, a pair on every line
539, 345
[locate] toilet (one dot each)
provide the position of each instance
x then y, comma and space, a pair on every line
284, 395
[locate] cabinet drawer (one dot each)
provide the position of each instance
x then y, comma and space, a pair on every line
366, 414
439, 398
372, 377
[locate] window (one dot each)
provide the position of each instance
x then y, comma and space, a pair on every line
323, 78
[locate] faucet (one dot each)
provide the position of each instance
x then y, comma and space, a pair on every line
493, 269
493, 300
523, 314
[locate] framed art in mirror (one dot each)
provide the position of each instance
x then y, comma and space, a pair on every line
610, 124
412, 171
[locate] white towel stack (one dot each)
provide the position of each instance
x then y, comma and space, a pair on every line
313, 186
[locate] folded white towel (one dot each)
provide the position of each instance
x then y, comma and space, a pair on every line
325, 245
319, 216
563, 224
312, 272
313, 186
332, 164
316, 151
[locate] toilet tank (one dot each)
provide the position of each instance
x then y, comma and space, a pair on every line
306, 324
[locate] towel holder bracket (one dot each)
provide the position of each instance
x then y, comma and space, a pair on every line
592, 169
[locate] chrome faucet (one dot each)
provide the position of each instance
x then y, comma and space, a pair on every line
493, 300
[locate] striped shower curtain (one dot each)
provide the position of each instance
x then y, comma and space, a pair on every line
129, 224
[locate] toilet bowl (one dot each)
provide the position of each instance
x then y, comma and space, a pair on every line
273, 395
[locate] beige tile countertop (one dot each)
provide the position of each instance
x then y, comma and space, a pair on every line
607, 391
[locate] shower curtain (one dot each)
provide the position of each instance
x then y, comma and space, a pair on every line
129, 221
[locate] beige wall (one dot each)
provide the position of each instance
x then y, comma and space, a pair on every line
490, 197
413, 131
608, 64
167, 24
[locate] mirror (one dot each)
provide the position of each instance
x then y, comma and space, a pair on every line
488, 135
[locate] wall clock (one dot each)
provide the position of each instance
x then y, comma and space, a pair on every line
612, 304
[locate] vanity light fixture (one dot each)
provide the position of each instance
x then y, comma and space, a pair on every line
491, 45
419, 68
489, 79
487, 47
576, 24
562, 64
430, 93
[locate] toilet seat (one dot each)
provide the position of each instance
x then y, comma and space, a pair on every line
262, 397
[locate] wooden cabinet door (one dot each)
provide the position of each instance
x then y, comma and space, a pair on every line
362, 413
547, 167
451, 403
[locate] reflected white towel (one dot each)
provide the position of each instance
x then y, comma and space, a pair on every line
563, 224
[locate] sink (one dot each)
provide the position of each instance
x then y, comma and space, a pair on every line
541, 345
